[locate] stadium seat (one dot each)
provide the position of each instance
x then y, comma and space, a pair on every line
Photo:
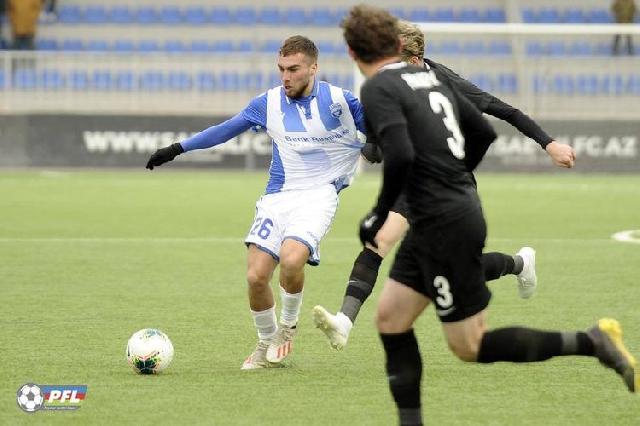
603, 49
499, 48
449, 48
469, 16
46, 44
244, 46
322, 17
325, 47
25, 79
535, 48
539, 84
271, 46
200, 46
587, 84
170, 15
206, 81
556, 48
146, 15
179, 81
222, 46
599, 16
549, 16
175, 46
97, 46
101, 80
221, 16
483, 81
507, 83
125, 81
574, 16
633, 85
399, 13
495, 16
418, 14
229, 81
72, 45
196, 15
94, 14
123, 46
295, 16
51, 80
580, 48
121, 15
443, 15
270, 16
246, 16
2, 80
563, 84
69, 14
473, 48
529, 16
152, 81
146, 46
79, 80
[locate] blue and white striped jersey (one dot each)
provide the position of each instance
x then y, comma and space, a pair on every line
315, 140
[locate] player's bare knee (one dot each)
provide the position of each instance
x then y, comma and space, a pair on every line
292, 263
387, 322
257, 280
466, 350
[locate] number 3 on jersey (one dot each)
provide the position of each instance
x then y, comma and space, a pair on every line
440, 103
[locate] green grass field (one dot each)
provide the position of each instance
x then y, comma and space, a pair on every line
86, 259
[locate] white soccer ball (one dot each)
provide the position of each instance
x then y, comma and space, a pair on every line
149, 351
30, 398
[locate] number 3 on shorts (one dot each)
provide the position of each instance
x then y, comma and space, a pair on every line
445, 298
262, 227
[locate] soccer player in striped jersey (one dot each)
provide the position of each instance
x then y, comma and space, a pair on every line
365, 269
315, 154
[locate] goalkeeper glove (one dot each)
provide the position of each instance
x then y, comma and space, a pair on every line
164, 155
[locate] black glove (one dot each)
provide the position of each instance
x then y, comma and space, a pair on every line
369, 227
372, 152
164, 155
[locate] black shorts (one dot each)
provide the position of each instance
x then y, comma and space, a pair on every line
401, 207
444, 263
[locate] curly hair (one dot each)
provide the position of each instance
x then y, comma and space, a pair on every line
412, 39
371, 33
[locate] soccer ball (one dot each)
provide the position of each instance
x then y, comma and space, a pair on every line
149, 351
30, 398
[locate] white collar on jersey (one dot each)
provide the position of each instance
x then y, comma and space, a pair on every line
393, 66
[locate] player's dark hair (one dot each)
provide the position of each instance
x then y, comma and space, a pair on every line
299, 44
372, 33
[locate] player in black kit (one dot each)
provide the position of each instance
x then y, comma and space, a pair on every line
421, 125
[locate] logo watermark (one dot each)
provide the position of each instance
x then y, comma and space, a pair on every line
32, 397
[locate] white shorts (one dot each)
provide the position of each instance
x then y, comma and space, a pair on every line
301, 215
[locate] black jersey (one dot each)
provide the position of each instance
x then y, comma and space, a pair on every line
491, 105
421, 125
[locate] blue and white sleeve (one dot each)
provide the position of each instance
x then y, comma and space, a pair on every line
356, 110
255, 114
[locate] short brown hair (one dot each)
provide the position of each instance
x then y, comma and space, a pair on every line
372, 33
412, 39
299, 44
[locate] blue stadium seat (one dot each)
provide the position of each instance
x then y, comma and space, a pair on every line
146, 46
200, 46
574, 16
25, 79
418, 14
603, 49
495, 16
535, 48
469, 16
600, 16
580, 48
46, 44
72, 45
563, 84
633, 84
483, 81
123, 46
295, 16
244, 46
500, 48
102, 80
222, 46
206, 81
229, 81
79, 80
175, 46
556, 48
271, 46
121, 15
399, 13
322, 17
587, 84
125, 81
196, 15
549, 16
340, 14
170, 15
270, 16
221, 16
52, 80
473, 48
2, 80
449, 48
146, 15
97, 46
443, 15
274, 79
179, 81
507, 83
325, 47
152, 81
94, 14
70, 14
529, 16
246, 16
539, 84
613, 84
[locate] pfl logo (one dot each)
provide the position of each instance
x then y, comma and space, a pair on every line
32, 397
